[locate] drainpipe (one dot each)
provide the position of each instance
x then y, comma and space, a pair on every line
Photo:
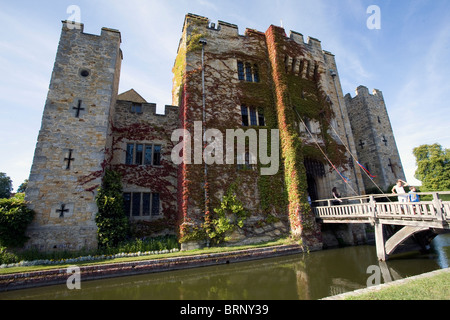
334, 75
203, 42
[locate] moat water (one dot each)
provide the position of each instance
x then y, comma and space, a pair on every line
297, 277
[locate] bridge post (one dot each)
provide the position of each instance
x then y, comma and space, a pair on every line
379, 232
437, 203
379, 241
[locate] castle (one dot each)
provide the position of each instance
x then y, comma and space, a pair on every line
222, 80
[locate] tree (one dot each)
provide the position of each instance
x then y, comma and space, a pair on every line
111, 220
15, 217
5, 186
23, 187
433, 162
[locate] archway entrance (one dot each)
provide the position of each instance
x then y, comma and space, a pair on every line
314, 169
312, 188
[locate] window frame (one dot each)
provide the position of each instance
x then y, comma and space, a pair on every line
135, 205
252, 116
256, 78
248, 72
136, 108
241, 70
247, 158
244, 116
134, 155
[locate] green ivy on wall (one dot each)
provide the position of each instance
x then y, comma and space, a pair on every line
111, 220
231, 215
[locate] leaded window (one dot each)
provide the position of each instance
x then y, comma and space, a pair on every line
252, 116
142, 204
143, 154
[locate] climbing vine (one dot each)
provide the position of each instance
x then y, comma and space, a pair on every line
161, 179
231, 215
198, 225
300, 215
284, 98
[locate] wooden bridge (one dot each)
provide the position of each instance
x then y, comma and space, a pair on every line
432, 214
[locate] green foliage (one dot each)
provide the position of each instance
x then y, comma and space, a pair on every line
144, 245
272, 193
15, 217
230, 215
5, 186
8, 256
433, 162
111, 220
193, 41
193, 233
23, 187
311, 104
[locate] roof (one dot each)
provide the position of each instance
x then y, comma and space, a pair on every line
132, 96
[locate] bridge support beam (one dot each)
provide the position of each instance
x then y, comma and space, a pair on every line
401, 236
379, 242
386, 248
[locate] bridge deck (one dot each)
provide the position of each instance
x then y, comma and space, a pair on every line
365, 209
415, 217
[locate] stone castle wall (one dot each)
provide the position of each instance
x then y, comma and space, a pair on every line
147, 128
376, 145
72, 143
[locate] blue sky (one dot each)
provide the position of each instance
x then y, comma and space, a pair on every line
407, 59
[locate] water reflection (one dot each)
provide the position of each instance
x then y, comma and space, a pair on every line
298, 277
441, 246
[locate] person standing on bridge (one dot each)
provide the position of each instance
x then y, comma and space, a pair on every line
400, 190
413, 196
336, 195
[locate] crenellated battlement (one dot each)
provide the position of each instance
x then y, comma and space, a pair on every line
223, 26
131, 102
230, 29
72, 26
363, 91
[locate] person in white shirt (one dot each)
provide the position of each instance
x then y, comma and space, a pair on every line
399, 189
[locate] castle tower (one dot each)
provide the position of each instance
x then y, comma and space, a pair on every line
376, 146
312, 122
74, 139
262, 81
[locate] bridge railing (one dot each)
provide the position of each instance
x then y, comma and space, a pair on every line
369, 207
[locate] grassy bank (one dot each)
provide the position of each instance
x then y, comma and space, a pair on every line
152, 244
19, 269
435, 287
